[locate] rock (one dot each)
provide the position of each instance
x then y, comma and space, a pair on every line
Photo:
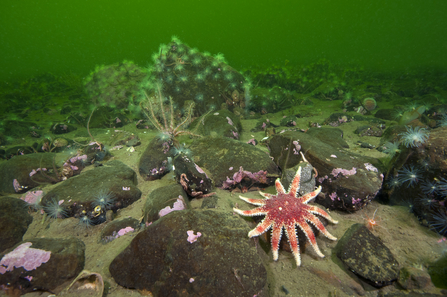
112, 230
221, 123
66, 261
386, 114
330, 136
367, 256
87, 283
411, 278
307, 180
336, 119
433, 150
193, 179
155, 158
349, 180
204, 253
223, 158
79, 193
14, 221
19, 168
289, 121
161, 198
438, 272
62, 128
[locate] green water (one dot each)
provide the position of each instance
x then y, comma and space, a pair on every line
60, 36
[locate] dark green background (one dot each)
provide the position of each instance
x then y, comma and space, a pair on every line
58, 36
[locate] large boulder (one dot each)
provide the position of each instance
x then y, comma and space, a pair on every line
198, 253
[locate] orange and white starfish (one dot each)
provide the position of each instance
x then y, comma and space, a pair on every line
285, 210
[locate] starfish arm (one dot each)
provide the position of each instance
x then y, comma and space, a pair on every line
319, 211
319, 225
253, 201
310, 236
279, 187
261, 227
294, 244
309, 196
251, 212
276, 239
295, 185
266, 195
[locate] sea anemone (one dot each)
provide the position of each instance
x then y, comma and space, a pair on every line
180, 49
207, 71
229, 76
55, 210
197, 61
398, 113
85, 222
104, 199
155, 57
175, 39
439, 222
183, 79
200, 77
391, 148
409, 174
393, 182
219, 57
412, 106
199, 97
193, 51
442, 186
414, 136
181, 149
430, 187
426, 201
443, 121
232, 85
169, 79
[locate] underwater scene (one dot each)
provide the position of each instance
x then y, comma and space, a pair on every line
223, 149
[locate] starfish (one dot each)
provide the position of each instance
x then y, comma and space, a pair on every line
285, 210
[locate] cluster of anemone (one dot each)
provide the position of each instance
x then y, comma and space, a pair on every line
414, 137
